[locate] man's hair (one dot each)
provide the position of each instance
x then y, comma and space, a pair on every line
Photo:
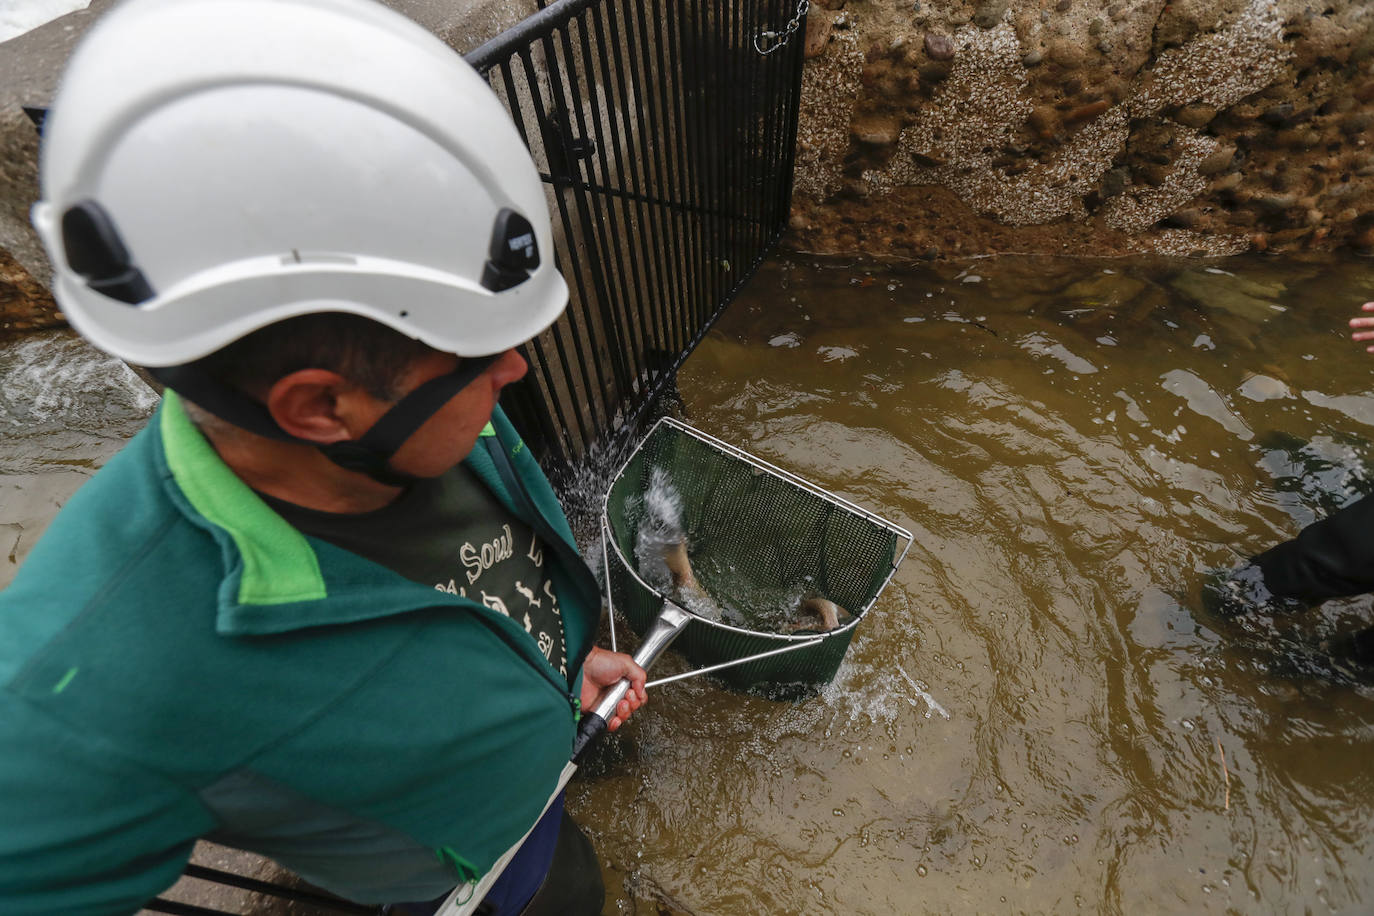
368, 354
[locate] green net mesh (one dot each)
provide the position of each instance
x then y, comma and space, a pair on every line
759, 544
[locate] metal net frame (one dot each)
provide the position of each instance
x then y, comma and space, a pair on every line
755, 534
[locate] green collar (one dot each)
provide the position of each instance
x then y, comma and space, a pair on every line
275, 577
279, 565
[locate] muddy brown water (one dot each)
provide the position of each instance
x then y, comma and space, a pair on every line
1034, 717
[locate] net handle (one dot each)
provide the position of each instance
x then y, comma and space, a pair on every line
791, 647
606, 571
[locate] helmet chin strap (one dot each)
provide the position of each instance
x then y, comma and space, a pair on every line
371, 454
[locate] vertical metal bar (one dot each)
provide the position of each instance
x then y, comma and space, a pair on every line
760, 122
588, 210
761, 81
735, 127
571, 265
617, 90
626, 340
704, 127
663, 289
760, 125
537, 403
666, 139
555, 438
771, 132
689, 136
667, 26
785, 166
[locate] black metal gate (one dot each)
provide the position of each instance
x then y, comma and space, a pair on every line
665, 131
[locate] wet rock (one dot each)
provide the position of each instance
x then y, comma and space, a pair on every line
1115, 181
1102, 290
876, 131
1250, 299
25, 305
1278, 115
1357, 123
1044, 120
1363, 241
1275, 204
819, 24
1087, 112
939, 46
1182, 21
1184, 219
1228, 182
933, 72
1217, 162
989, 13
1299, 139
1339, 105
1197, 115
1213, 120
1153, 174
1065, 54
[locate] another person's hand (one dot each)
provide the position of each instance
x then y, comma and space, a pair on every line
1362, 328
604, 668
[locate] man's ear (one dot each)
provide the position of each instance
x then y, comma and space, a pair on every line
322, 406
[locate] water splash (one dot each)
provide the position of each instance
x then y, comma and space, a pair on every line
661, 531
932, 705
52, 381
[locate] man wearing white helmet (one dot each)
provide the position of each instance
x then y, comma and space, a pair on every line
325, 607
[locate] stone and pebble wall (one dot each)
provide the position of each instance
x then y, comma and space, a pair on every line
943, 128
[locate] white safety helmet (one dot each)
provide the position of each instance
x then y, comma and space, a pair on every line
214, 166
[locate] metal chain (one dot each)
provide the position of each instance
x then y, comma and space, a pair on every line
774, 41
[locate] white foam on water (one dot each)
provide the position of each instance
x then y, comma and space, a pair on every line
932, 705
661, 528
20, 16
59, 378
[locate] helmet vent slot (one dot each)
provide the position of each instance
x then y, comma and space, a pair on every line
96, 252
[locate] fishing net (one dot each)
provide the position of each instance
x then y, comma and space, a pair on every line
764, 545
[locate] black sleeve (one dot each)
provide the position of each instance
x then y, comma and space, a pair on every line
1330, 558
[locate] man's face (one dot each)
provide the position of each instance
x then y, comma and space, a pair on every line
447, 437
